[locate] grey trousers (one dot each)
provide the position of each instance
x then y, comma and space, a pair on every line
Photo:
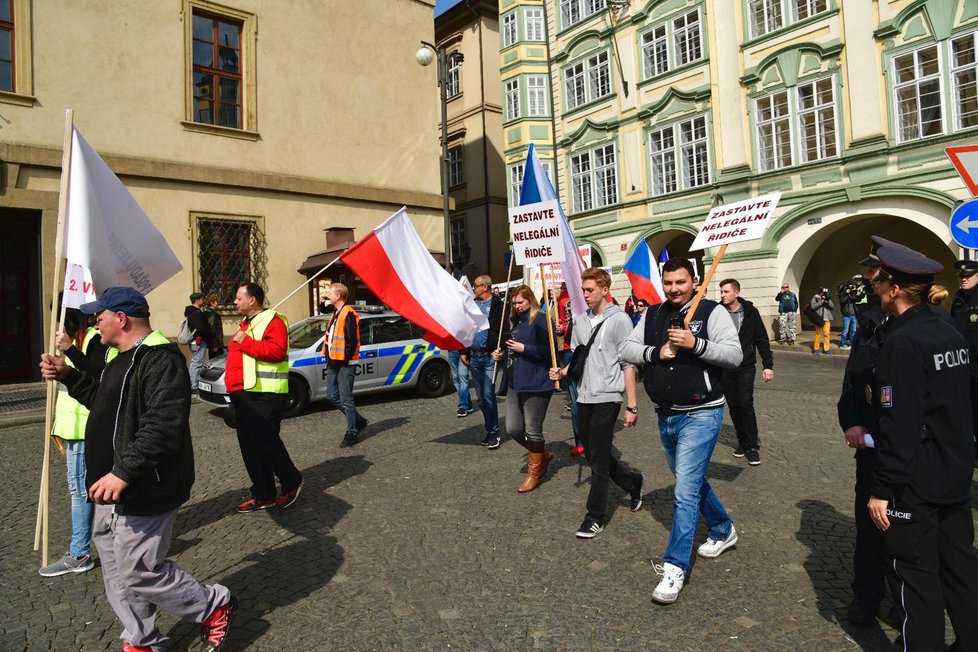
139, 579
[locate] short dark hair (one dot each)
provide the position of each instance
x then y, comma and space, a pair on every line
254, 291
676, 264
731, 281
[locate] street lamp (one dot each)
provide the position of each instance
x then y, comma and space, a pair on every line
425, 56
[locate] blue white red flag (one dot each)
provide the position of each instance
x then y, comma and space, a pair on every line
643, 273
537, 188
664, 256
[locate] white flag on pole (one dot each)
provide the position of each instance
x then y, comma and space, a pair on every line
79, 287
108, 233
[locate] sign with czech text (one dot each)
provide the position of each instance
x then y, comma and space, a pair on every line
536, 233
745, 220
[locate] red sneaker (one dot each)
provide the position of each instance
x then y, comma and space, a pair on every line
129, 647
287, 499
214, 630
577, 451
253, 505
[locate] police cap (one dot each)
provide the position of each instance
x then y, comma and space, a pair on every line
903, 264
966, 267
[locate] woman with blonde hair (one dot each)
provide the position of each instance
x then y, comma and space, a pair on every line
528, 369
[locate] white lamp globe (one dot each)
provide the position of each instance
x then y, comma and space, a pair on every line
424, 56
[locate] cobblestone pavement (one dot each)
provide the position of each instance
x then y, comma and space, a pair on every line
417, 539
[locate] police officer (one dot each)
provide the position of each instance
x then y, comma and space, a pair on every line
964, 310
859, 417
921, 487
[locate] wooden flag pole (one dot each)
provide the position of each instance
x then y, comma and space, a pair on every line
704, 284
499, 340
41, 530
307, 282
550, 328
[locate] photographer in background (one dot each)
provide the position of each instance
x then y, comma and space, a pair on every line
849, 295
822, 304
787, 318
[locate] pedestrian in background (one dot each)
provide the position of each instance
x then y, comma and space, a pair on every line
822, 304
215, 324
341, 348
564, 329
787, 314
849, 296
201, 333
964, 310
478, 357
528, 366
640, 307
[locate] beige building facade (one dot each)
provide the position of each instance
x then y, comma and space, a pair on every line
243, 128
665, 108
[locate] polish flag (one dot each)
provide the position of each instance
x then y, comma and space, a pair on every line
393, 262
643, 273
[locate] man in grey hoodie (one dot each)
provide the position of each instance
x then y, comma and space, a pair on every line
599, 397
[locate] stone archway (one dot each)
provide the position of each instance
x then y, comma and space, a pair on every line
677, 243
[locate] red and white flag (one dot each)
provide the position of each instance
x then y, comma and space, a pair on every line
79, 288
394, 263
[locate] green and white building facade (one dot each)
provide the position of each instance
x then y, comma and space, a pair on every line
650, 112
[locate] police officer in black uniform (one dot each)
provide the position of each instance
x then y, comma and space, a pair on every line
921, 487
859, 417
964, 310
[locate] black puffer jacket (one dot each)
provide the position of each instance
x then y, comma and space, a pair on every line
753, 337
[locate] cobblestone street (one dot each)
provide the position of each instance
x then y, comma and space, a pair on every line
418, 539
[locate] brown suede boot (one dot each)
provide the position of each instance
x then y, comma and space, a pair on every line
534, 464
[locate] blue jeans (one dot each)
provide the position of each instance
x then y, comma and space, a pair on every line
197, 352
688, 439
571, 386
460, 377
480, 372
81, 509
848, 329
339, 390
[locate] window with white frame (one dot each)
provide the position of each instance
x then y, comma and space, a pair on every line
594, 179
573, 11
452, 87
455, 168
679, 156
803, 9
516, 180
963, 71
513, 99
797, 125
685, 35
510, 30
534, 24
588, 80
536, 96
917, 91
770, 15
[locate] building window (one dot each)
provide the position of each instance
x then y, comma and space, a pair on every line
513, 99
217, 77
797, 126
588, 80
655, 51
7, 47
229, 252
917, 90
536, 95
594, 179
534, 24
807, 8
459, 241
679, 156
770, 15
451, 84
573, 11
963, 71
509, 30
516, 180
687, 44
686, 32
455, 170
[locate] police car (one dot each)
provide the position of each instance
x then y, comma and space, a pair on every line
392, 356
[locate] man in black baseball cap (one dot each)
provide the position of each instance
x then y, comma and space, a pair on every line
964, 310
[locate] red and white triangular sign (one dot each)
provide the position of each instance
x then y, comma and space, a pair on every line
964, 158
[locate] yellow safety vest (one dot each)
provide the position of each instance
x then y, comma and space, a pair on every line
70, 416
261, 376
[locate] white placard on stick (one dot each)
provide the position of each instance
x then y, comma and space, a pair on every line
536, 233
745, 220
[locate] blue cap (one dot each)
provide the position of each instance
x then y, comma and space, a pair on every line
119, 299
903, 264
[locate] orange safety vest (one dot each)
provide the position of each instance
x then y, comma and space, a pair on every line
335, 347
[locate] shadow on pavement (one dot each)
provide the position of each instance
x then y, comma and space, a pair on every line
291, 571
471, 436
830, 538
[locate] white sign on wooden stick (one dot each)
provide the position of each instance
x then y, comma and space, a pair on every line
536, 233
745, 220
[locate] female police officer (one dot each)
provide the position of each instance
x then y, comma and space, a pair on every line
922, 476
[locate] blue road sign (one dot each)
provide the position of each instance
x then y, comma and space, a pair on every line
964, 224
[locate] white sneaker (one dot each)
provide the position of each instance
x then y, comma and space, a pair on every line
671, 583
713, 548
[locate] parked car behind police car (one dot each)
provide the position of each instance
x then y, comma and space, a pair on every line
392, 356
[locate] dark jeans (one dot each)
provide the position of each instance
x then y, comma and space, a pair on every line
738, 387
572, 392
869, 557
932, 548
597, 423
259, 416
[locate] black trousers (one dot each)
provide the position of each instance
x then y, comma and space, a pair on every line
596, 422
738, 388
869, 566
259, 417
932, 548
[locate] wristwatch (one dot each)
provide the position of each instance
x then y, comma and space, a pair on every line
633, 410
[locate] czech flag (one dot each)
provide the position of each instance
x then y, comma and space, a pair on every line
643, 273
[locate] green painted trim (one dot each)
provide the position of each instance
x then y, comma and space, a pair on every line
541, 132
917, 158
781, 31
592, 222
564, 31
589, 105
660, 78
701, 94
894, 26
586, 126
832, 175
665, 20
822, 50
536, 52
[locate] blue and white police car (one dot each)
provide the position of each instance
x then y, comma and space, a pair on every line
392, 356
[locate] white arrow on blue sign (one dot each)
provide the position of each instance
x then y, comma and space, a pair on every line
964, 224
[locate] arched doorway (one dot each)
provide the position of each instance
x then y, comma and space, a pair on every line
677, 243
